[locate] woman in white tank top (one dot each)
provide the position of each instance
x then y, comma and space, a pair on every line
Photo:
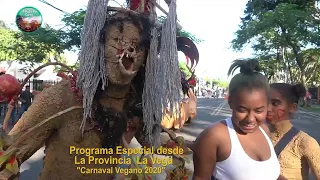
239, 148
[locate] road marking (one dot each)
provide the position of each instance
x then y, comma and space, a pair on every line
224, 103
313, 116
216, 111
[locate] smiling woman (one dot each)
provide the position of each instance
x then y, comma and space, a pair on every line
243, 138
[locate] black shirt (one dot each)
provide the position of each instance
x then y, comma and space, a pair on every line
26, 96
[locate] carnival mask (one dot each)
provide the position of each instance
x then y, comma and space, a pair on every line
123, 51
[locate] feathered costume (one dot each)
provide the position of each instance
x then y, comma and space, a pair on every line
126, 58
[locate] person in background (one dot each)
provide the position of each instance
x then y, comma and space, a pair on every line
239, 148
2, 104
12, 117
296, 150
308, 98
26, 99
13, 114
217, 93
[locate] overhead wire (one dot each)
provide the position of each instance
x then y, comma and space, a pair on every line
45, 2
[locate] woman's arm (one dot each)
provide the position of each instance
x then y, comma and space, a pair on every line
310, 150
204, 156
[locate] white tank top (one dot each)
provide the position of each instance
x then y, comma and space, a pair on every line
239, 166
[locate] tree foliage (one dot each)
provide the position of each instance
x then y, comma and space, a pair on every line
73, 25
34, 47
220, 83
282, 33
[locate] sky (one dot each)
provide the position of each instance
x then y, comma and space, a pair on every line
211, 20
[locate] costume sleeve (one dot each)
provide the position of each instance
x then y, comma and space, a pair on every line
311, 151
49, 102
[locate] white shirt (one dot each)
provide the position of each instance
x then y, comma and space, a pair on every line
239, 166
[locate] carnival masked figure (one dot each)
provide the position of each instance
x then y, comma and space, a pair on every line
124, 60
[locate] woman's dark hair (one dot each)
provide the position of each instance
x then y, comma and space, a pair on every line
249, 77
292, 93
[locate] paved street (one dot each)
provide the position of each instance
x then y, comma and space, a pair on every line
209, 111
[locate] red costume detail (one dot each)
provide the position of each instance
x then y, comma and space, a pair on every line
280, 113
74, 88
73, 80
134, 5
11, 161
192, 82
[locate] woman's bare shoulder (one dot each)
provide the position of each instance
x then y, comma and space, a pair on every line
266, 129
214, 132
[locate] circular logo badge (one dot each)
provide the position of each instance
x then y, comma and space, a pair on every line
28, 19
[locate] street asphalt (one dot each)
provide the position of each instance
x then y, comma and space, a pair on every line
209, 111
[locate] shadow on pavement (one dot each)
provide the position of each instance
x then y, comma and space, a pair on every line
31, 168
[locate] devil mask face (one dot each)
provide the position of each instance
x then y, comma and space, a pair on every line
123, 51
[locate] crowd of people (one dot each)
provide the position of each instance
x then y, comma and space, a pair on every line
245, 147
213, 93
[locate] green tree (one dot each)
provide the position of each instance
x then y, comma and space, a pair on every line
34, 47
73, 26
220, 83
208, 83
7, 41
39, 45
224, 84
280, 31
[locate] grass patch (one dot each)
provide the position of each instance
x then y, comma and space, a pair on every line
313, 108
